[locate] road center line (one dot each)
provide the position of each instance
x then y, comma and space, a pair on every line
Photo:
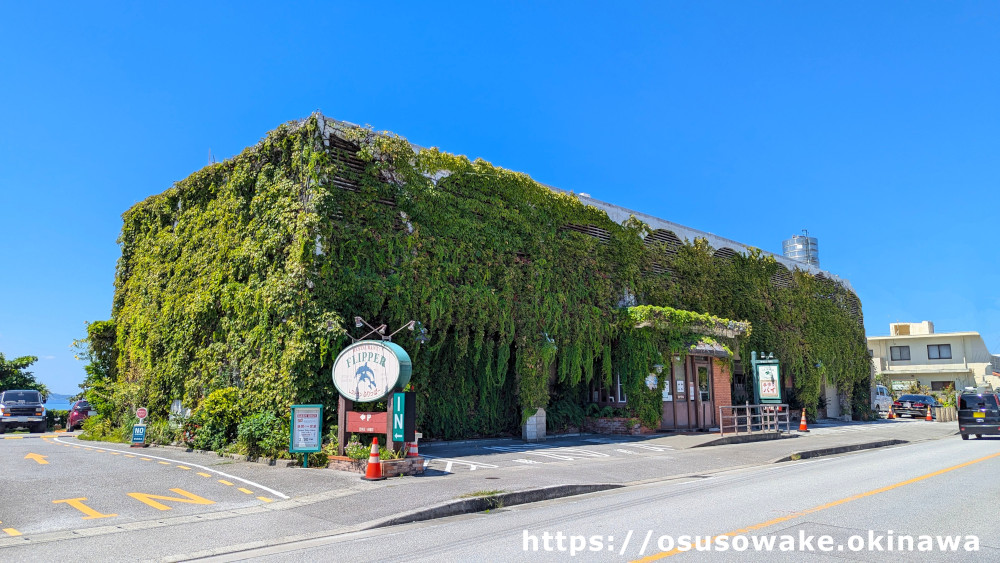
845, 500
227, 475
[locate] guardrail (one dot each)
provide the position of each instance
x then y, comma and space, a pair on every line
747, 419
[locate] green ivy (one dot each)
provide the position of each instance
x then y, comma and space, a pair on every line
241, 275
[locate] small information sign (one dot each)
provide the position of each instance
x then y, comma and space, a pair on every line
138, 434
307, 429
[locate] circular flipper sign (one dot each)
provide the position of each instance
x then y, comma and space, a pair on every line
369, 370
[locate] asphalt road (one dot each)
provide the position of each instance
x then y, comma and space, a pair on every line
61, 498
863, 502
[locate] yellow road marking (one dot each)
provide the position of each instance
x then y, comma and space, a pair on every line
163, 462
126, 455
191, 499
115, 453
11, 532
145, 459
224, 482
265, 499
793, 515
204, 474
40, 459
247, 491
183, 467
12, 438
77, 503
49, 436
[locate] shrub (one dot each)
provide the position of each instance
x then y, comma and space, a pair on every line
263, 434
54, 417
159, 432
98, 428
217, 420
356, 450
564, 413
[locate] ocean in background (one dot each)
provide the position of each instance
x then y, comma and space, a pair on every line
57, 405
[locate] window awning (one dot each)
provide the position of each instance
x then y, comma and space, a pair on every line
713, 349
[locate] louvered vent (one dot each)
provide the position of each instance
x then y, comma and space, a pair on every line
782, 278
589, 230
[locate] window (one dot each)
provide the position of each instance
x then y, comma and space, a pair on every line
941, 385
939, 352
621, 389
898, 353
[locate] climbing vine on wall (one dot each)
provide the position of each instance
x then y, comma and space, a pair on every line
241, 276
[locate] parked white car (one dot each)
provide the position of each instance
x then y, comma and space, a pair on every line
882, 401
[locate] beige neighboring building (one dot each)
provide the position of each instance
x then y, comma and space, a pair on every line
913, 352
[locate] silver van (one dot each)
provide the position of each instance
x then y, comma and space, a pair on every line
882, 400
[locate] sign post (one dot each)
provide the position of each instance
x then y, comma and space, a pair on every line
139, 430
306, 431
365, 372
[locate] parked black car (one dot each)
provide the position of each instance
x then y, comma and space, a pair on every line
22, 409
915, 405
978, 413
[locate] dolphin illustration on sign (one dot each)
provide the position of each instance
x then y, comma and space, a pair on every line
365, 373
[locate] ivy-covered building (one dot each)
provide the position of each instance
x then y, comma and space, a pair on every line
241, 277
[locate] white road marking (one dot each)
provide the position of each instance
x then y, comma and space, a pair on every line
525, 461
523, 451
240, 479
473, 465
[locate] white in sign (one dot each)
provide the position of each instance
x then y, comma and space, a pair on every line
306, 428
141, 412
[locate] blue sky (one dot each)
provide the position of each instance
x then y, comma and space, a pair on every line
873, 125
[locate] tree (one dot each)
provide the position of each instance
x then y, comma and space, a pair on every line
98, 350
14, 374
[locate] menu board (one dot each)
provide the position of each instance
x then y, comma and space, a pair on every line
307, 428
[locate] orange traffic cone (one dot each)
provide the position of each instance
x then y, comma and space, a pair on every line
892, 415
929, 417
802, 422
412, 452
374, 470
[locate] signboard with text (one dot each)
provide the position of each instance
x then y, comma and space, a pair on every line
367, 422
768, 383
138, 433
306, 429
368, 370
403, 416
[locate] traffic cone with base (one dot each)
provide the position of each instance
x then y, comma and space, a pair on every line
802, 422
412, 452
892, 415
374, 470
929, 417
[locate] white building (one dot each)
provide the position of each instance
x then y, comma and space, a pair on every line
913, 352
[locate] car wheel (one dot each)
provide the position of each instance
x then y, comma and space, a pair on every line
2, 429
965, 436
978, 436
39, 428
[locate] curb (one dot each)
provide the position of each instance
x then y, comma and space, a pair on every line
839, 450
746, 438
492, 502
238, 457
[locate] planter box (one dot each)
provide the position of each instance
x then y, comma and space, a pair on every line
626, 426
390, 467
